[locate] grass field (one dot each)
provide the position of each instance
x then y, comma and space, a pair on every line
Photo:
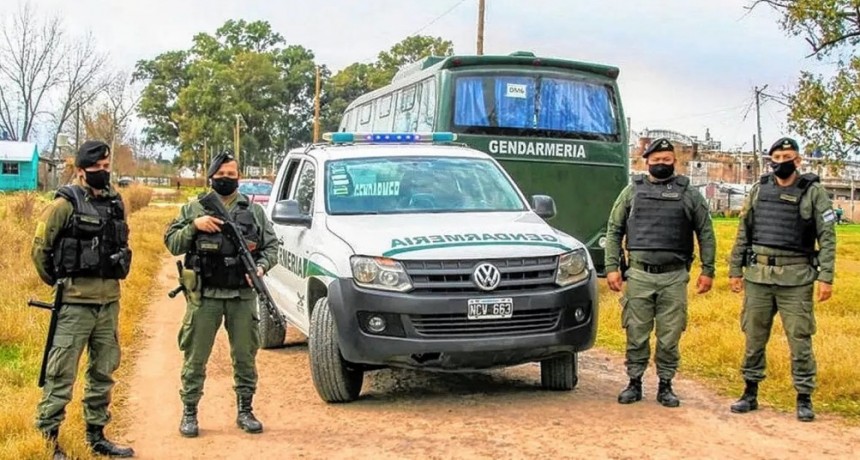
23, 329
712, 347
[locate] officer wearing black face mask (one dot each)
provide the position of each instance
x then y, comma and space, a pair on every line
658, 213
776, 263
82, 241
217, 289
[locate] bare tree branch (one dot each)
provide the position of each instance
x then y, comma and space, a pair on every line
81, 78
30, 54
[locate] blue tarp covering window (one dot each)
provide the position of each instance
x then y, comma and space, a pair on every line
540, 104
470, 110
567, 105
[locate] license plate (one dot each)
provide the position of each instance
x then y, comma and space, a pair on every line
490, 308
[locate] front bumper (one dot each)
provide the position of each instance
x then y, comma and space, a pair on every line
431, 331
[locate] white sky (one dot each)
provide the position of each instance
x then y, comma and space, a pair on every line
686, 65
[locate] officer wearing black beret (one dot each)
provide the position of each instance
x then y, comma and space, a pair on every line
658, 213
785, 244
82, 241
217, 290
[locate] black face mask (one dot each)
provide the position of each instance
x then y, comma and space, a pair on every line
98, 180
661, 171
783, 170
225, 186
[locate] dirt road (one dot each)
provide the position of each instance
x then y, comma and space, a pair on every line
404, 414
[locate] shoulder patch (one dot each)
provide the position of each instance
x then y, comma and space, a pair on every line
828, 216
40, 233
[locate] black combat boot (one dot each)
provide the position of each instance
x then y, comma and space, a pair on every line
102, 446
632, 393
53, 438
188, 425
748, 401
665, 395
804, 408
246, 419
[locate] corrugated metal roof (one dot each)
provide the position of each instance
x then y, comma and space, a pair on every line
17, 151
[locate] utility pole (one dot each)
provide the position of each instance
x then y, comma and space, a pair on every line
205, 157
78, 128
481, 10
236, 142
758, 147
317, 108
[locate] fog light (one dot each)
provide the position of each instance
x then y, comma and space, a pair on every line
602, 242
376, 324
579, 315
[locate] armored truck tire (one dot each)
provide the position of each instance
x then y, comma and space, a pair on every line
560, 373
335, 379
271, 334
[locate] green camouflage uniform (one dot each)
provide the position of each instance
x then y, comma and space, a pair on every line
205, 309
657, 298
785, 289
88, 318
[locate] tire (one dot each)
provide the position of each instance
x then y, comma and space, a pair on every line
271, 334
559, 373
336, 380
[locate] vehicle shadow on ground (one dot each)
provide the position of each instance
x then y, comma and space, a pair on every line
403, 385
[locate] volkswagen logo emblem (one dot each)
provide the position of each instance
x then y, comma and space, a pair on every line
487, 277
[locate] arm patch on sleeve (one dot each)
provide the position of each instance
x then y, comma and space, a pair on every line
828, 216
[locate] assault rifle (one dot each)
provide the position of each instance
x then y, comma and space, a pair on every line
212, 203
52, 326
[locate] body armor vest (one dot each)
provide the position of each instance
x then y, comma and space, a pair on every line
215, 257
95, 243
659, 220
777, 222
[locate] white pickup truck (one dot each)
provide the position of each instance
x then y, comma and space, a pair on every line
409, 250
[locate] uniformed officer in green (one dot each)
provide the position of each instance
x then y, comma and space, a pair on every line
658, 213
774, 260
217, 287
82, 240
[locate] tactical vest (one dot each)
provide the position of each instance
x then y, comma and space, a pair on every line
95, 243
215, 257
777, 222
659, 220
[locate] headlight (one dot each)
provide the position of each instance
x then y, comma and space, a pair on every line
572, 267
379, 273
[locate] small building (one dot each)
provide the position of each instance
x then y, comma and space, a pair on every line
19, 166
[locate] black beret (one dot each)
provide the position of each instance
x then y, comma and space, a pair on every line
659, 145
219, 160
91, 152
786, 143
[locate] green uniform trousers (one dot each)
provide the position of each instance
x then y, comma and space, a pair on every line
795, 307
197, 335
654, 299
79, 326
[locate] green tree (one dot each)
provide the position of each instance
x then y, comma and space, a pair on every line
244, 70
825, 111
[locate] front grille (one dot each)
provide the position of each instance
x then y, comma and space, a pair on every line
455, 276
458, 325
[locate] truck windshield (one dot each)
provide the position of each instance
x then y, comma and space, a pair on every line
534, 105
391, 185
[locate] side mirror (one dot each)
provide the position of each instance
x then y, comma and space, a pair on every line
543, 206
287, 212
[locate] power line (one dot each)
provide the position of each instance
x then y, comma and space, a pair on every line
424, 27
448, 11
695, 115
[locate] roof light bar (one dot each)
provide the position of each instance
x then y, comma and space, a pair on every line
388, 138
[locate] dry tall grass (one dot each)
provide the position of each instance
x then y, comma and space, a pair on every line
713, 345
136, 197
22, 329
